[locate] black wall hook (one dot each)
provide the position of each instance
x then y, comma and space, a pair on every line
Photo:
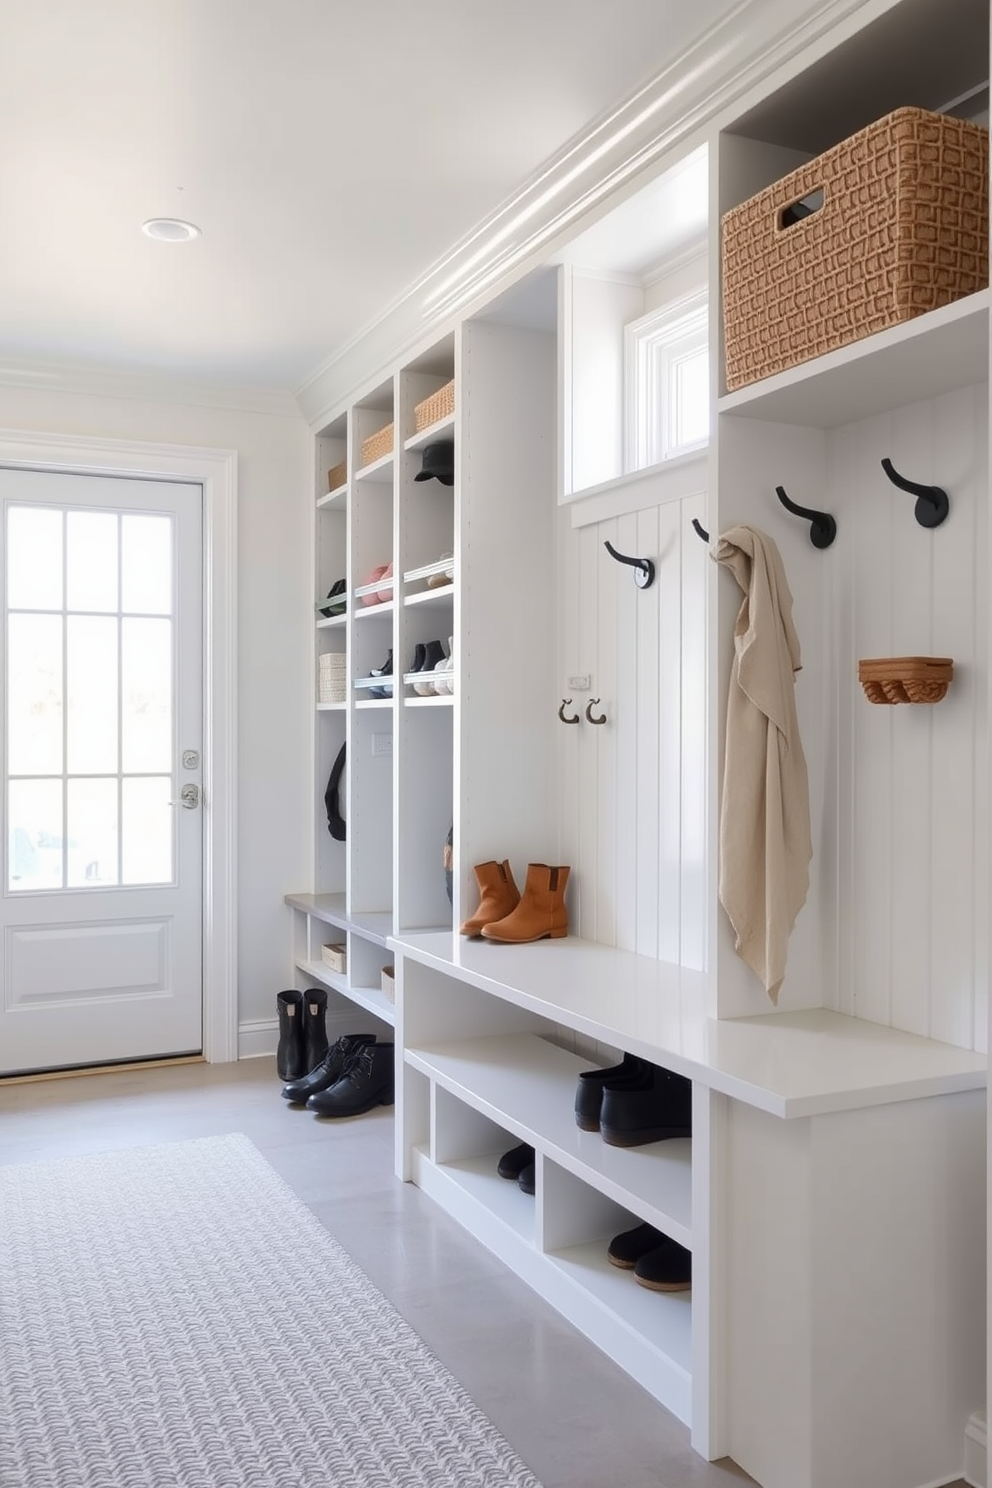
643, 567
700, 530
932, 505
823, 528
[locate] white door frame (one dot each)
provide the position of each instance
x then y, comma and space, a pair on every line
216, 471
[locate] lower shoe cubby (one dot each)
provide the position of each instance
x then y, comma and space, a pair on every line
468, 1101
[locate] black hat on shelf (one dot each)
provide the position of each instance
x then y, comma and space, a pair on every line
438, 464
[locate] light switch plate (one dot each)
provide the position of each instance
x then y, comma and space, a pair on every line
581, 683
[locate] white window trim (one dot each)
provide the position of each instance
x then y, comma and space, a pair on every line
649, 346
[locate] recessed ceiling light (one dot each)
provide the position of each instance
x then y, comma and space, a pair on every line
170, 229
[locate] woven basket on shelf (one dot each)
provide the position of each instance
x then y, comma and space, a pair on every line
434, 408
331, 677
905, 679
337, 475
902, 229
378, 444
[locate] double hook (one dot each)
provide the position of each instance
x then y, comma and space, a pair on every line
592, 703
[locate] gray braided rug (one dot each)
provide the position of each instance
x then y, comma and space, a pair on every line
157, 1312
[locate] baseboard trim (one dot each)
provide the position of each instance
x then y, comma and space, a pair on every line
976, 1447
258, 1037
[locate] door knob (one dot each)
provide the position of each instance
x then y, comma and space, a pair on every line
189, 797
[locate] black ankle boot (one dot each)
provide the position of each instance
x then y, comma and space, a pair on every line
329, 1071
314, 1027
291, 1049
367, 1081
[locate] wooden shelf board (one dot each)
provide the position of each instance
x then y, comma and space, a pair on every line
922, 358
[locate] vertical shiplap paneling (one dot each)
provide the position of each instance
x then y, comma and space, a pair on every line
586, 805
910, 446
570, 662
629, 787
957, 857
912, 910
693, 728
872, 563
656, 889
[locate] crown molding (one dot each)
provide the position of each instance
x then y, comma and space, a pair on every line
82, 381
727, 59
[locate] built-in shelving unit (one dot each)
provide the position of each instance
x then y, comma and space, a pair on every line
825, 1127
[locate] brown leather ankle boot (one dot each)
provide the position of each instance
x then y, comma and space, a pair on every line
541, 911
498, 895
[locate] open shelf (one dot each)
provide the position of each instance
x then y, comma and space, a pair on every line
375, 926
443, 426
439, 700
432, 599
338, 497
331, 707
380, 472
372, 999
329, 622
365, 612
522, 1081
922, 358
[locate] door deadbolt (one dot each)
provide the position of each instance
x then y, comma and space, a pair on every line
190, 759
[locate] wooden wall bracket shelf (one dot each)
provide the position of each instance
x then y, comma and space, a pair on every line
905, 679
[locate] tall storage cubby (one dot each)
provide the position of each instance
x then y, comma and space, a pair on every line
833, 1191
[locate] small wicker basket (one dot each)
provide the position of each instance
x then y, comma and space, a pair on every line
434, 408
885, 226
337, 475
905, 679
378, 444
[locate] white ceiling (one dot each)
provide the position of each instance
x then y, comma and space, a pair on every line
330, 152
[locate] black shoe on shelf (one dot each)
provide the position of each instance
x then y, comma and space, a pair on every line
511, 1162
589, 1092
328, 1071
291, 1056
527, 1178
626, 1250
648, 1109
386, 670
366, 1081
667, 1268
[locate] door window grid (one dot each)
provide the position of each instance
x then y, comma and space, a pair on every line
85, 822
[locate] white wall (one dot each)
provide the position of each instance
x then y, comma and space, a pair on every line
274, 640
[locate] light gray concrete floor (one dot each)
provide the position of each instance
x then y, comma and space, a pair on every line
574, 1418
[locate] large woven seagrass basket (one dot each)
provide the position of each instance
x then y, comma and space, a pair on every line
885, 226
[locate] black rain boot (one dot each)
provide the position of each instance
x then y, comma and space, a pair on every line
291, 1049
329, 1071
314, 1027
367, 1081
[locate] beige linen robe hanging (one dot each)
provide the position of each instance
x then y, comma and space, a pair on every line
765, 844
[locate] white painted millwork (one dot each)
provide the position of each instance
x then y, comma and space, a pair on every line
831, 1194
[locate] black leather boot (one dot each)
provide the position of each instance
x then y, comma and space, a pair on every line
314, 1027
291, 1049
330, 1069
367, 1081
657, 1105
589, 1091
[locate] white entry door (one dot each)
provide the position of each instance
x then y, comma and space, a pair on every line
101, 908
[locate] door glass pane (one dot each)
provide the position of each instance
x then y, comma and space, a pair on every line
146, 579
34, 831
146, 695
91, 685
91, 561
690, 378
34, 558
34, 694
92, 833
147, 833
